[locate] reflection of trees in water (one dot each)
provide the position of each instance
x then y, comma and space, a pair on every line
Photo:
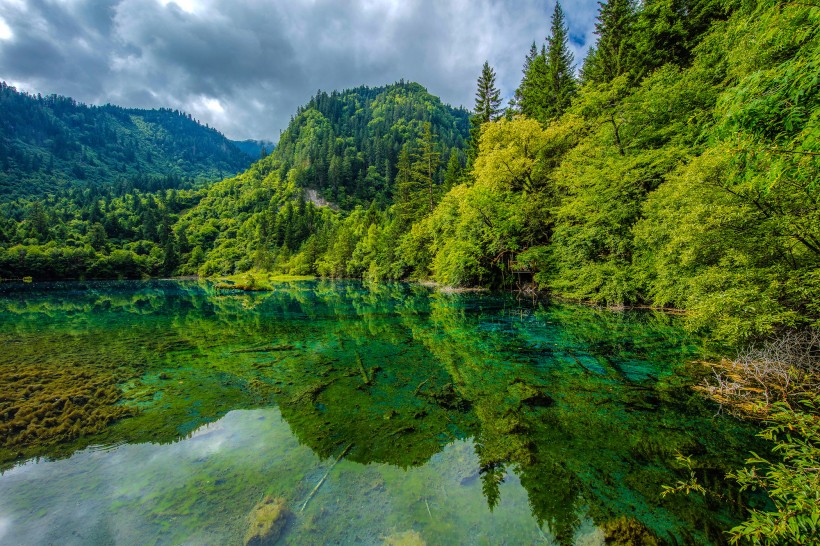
609, 440
585, 406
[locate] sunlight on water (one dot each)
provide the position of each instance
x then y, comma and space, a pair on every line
170, 412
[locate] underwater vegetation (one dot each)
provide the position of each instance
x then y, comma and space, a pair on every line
461, 415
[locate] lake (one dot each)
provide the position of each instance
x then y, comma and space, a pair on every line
173, 412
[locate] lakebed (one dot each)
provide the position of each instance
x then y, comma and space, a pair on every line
166, 412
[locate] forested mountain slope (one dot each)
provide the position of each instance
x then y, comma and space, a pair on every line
355, 148
53, 142
255, 149
347, 146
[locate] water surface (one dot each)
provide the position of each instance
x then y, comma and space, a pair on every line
162, 412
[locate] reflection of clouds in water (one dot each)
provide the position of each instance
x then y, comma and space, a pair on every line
5, 525
77, 494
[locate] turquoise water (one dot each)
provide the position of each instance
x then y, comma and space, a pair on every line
162, 412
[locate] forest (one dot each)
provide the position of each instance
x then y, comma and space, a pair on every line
53, 143
675, 167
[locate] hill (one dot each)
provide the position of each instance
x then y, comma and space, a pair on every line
345, 147
347, 144
53, 142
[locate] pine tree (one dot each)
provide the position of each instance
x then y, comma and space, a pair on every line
534, 84
452, 175
614, 53
417, 187
427, 166
406, 194
560, 72
487, 97
487, 108
523, 89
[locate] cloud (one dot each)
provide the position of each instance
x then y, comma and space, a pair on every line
245, 66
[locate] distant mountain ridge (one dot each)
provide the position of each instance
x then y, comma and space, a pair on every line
256, 149
51, 142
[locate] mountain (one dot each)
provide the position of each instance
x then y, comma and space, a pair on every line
52, 142
255, 148
343, 147
346, 144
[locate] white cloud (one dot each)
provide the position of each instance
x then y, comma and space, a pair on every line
5, 30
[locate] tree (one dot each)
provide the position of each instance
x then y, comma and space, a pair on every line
560, 81
487, 97
97, 237
614, 53
527, 95
416, 181
427, 166
452, 175
487, 107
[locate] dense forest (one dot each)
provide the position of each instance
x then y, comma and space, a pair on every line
342, 148
52, 143
678, 170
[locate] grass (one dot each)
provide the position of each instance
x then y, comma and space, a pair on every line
257, 281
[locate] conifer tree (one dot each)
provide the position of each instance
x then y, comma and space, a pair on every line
614, 53
533, 86
526, 84
427, 166
487, 97
560, 72
487, 107
454, 170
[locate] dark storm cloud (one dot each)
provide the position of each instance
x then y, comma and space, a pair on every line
244, 66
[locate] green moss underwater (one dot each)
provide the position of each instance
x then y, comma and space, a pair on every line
163, 412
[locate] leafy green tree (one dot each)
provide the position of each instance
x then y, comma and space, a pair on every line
97, 237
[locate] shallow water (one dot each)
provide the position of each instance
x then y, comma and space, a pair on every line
162, 412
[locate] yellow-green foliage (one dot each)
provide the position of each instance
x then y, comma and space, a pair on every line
257, 281
407, 538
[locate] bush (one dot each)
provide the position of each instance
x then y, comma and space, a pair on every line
792, 483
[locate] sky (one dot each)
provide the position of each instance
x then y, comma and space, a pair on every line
244, 66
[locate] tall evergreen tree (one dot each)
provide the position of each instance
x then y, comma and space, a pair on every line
614, 53
487, 97
519, 99
417, 184
534, 84
560, 70
487, 107
427, 165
